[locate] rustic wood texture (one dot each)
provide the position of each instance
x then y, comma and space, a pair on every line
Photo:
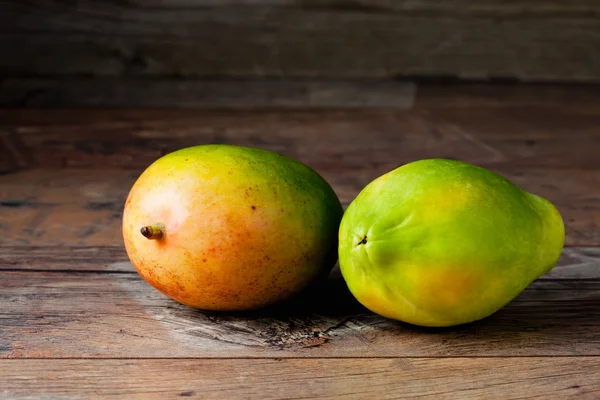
544, 139
204, 93
537, 40
78, 321
109, 311
549, 126
40, 207
574, 263
506, 378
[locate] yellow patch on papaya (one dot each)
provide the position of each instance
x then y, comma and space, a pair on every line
447, 202
447, 287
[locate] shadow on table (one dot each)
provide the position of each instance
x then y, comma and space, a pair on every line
547, 312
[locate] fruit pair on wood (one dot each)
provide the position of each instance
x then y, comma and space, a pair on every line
434, 242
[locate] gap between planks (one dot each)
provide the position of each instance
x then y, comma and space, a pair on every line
285, 357
290, 378
575, 263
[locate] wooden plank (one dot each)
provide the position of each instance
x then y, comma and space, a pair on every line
574, 263
114, 258
83, 207
518, 136
532, 40
449, 378
204, 93
69, 314
63, 208
577, 263
581, 99
83, 93
456, 7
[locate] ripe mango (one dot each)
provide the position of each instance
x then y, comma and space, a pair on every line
223, 227
440, 243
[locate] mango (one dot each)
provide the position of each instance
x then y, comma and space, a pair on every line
440, 243
222, 227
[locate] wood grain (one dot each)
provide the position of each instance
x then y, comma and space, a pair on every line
580, 99
529, 40
97, 154
574, 263
114, 313
204, 93
515, 135
68, 292
507, 378
83, 93
83, 207
114, 258
90, 302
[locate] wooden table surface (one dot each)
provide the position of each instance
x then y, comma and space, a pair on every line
77, 321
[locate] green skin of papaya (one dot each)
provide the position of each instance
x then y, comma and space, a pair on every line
440, 243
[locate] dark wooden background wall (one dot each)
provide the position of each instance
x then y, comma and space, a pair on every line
79, 48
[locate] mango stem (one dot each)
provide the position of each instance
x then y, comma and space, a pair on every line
153, 232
